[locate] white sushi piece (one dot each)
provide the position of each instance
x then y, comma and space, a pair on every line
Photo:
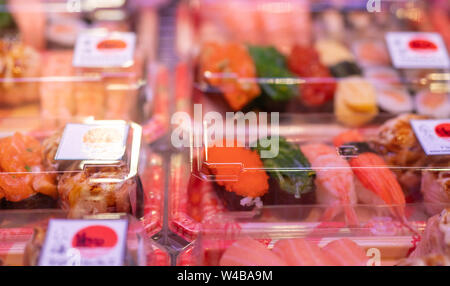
64, 30
433, 104
394, 99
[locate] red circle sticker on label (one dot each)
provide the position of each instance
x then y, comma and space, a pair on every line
111, 44
422, 45
95, 236
443, 130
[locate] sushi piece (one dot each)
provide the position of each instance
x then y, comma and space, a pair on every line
230, 68
57, 98
18, 61
63, 30
345, 252
300, 252
90, 98
382, 76
275, 79
291, 177
334, 182
24, 182
249, 252
355, 101
95, 190
435, 239
320, 86
338, 58
396, 142
371, 53
433, 104
239, 176
394, 99
435, 187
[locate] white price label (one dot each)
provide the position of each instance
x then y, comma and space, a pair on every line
413, 50
103, 142
84, 243
104, 50
433, 135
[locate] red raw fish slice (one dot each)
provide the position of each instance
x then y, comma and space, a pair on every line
249, 252
299, 252
346, 252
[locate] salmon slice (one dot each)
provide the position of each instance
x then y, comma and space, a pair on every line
346, 252
249, 252
299, 252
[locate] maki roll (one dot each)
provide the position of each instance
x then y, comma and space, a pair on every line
244, 179
24, 181
433, 104
394, 99
291, 177
355, 101
338, 58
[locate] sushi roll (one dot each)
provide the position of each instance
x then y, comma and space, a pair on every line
371, 53
24, 182
239, 176
433, 104
244, 179
355, 101
338, 58
394, 99
382, 76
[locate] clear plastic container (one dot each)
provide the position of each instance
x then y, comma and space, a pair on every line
39, 74
315, 162
83, 166
23, 236
294, 234
308, 57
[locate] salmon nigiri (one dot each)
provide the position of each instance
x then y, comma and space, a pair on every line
300, 252
345, 252
249, 252
334, 181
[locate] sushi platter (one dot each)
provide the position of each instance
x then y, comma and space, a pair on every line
157, 133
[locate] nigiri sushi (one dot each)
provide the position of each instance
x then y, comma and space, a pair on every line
249, 252
338, 58
355, 101
433, 104
334, 181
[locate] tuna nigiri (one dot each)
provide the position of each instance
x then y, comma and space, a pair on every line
334, 181
249, 252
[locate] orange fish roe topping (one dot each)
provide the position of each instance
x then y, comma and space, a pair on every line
238, 170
